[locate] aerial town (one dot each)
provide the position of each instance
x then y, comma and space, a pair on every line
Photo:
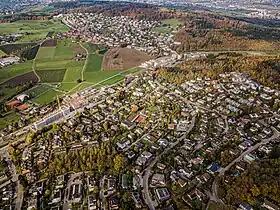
121, 31
162, 138
130, 138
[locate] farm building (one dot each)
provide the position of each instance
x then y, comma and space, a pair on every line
13, 103
23, 107
22, 97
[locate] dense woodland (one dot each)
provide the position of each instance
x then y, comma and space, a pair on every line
260, 181
265, 70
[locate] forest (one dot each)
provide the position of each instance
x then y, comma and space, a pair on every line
264, 70
260, 181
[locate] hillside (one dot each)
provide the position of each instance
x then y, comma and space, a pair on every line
265, 70
123, 58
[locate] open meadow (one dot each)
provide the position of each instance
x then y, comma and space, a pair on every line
32, 30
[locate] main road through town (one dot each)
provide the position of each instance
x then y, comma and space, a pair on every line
147, 171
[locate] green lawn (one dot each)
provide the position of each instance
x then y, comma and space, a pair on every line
15, 70
47, 97
46, 53
94, 63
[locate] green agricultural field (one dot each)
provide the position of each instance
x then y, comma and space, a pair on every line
45, 53
32, 30
51, 76
95, 77
94, 63
72, 74
51, 64
15, 70
14, 48
47, 97
7, 93
92, 47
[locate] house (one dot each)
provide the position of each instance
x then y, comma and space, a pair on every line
162, 194
269, 205
245, 206
182, 182
158, 180
113, 202
124, 179
249, 158
92, 203
128, 125
76, 192
137, 200
197, 160
213, 168
122, 145
56, 197
161, 166
196, 193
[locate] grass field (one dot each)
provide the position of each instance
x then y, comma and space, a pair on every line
96, 77
15, 70
167, 25
45, 53
94, 63
13, 48
6, 93
36, 29
51, 76
67, 86
8, 119
92, 47
47, 97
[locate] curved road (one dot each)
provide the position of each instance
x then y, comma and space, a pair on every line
147, 171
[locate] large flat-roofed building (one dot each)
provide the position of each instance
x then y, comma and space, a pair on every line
64, 111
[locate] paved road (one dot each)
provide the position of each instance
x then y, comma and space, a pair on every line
148, 200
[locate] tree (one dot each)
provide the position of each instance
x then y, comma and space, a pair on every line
119, 162
79, 80
127, 196
30, 137
47, 193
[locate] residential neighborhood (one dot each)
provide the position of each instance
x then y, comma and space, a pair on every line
144, 143
120, 31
